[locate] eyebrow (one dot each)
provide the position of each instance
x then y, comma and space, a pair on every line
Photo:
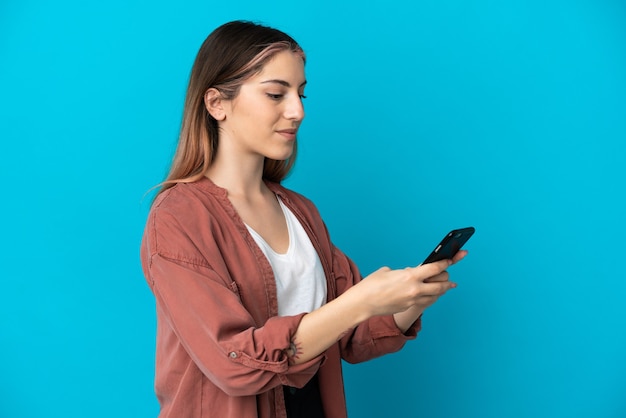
281, 82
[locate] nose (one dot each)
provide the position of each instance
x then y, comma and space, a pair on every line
294, 109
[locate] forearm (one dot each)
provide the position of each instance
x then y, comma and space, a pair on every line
323, 327
405, 319
403, 293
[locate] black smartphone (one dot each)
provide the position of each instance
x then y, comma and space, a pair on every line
450, 244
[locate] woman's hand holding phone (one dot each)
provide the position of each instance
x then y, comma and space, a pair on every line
407, 293
406, 318
387, 291
403, 293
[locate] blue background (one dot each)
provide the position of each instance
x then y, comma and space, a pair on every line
421, 117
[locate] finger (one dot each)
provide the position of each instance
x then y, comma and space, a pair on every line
459, 256
433, 269
437, 288
441, 277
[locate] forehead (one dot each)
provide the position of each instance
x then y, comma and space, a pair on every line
285, 65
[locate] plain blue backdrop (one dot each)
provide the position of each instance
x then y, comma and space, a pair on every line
421, 117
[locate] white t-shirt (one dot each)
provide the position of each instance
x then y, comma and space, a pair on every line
300, 280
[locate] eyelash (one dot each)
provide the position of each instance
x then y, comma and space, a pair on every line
280, 96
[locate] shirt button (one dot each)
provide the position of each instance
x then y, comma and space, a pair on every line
232, 354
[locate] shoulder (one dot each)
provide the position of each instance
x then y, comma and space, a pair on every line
191, 203
188, 196
184, 215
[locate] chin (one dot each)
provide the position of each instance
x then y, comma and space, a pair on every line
280, 155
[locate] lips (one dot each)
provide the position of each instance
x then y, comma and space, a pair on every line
288, 133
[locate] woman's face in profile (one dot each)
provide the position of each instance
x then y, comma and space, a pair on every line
263, 119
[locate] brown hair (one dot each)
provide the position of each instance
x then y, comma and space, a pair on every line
230, 55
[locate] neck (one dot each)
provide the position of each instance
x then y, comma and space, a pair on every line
240, 175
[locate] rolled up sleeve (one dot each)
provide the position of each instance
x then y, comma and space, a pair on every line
218, 333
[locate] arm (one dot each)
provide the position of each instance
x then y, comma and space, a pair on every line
218, 333
405, 294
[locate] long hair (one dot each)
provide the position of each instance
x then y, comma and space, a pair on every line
229, 56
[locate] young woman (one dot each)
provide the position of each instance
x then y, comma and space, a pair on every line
256, 308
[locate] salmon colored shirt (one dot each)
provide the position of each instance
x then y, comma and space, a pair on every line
220, 348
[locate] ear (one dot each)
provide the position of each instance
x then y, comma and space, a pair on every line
213, 104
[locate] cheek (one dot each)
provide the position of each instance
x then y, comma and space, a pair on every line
266, 115
257, 113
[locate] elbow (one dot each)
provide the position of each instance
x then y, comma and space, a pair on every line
249, 385
241, 380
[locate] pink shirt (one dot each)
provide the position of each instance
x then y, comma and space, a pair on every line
220, 344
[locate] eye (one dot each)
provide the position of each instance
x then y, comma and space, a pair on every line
275, 96
302, 96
